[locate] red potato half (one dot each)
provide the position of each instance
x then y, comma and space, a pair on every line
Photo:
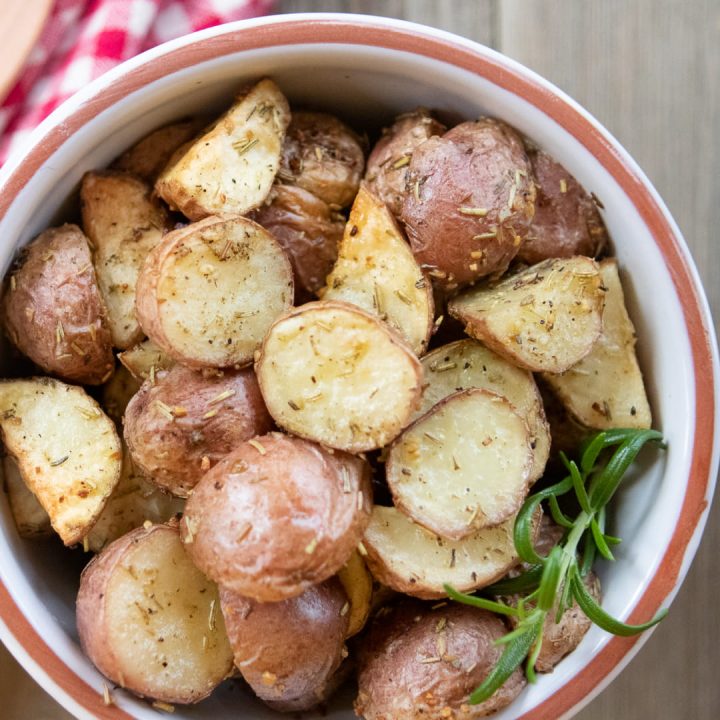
470, 202
387, 168
150, 621
468, 364
422, 663
208, 293
333, 373
545, 318
289, 651
277, 515
567, 221
53, 311
184, 422
309, 232
145, 359
323, 156
463, 466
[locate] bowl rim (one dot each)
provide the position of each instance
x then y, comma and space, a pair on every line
338, 28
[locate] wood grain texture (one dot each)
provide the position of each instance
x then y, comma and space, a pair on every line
650, 71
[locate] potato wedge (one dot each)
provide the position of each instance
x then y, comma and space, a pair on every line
358, 585
53, 310
30, 517
207, 295
333, 373
149, 619
288, 651
117, 392
149, 156
134, 501
463, 466
230, 168
545, 318
123, 223
145, 359
377, 271
277, 515
67, 449
605, 389
466, 364
410, 559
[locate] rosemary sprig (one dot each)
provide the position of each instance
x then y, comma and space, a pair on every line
556, 581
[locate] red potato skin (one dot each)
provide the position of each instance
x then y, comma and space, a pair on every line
386, 174
394, 683
175, 453
567, 221
53, 311
309, 232
475, 165
288, 651
277, 515
323, 156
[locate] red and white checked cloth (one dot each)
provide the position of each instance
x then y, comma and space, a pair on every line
82, 39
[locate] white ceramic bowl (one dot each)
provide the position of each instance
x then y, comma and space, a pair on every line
366, 70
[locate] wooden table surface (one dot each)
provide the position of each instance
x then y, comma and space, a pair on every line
650, 71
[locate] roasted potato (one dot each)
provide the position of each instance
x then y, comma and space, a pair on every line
150, 621
53, 310
30, 517
333, 373
133, 502
386, 172
321, 500
232, 166
149, 156
410, 559
422, 663
145, 359
605, 389
67, 449
467, 364
376, 271
208, 293
180, 425
544, 318
358, 585
309, 232
123, 223
567, 221
116, 393
454, 481
324, 156
470, 203
288, 651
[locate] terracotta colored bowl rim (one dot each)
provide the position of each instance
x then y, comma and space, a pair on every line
397, 35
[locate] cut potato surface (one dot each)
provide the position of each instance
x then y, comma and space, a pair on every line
377, 271
207, 295
231, 168
605, 389
67, 449
123, 223
333, 373
544, 318
464, 466
134, 501
358, 585
467, 364
30, 517
151, 621
410, 559
145, 359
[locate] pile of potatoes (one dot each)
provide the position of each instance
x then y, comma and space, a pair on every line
325, 401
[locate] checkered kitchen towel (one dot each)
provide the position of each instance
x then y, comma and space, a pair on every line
82, 39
